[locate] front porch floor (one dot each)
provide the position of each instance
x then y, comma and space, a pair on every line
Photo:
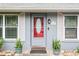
49, 53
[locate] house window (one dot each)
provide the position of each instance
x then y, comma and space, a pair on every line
1, 25
71, 27
11, 26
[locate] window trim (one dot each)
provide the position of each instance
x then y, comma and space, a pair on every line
77, 26
3, 31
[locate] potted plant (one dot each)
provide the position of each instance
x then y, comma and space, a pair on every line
1, 43
18, 46
56, 47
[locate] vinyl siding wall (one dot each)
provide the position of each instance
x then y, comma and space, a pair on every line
55, 32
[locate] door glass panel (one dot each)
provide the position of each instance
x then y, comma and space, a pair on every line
38, 26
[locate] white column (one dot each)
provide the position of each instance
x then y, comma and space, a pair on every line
60, 26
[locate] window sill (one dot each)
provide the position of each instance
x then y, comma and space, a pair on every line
71, 40
11, 40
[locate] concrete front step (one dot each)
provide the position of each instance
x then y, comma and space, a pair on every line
38, 50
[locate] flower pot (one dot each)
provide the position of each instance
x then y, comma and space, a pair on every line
56, 52
18, 50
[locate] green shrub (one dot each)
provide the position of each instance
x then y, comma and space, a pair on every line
1, 42
56, 44
18, 43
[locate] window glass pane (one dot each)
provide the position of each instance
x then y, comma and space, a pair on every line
11, 20
0, 32
1, 20
11, 32
71, 21
70, 33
